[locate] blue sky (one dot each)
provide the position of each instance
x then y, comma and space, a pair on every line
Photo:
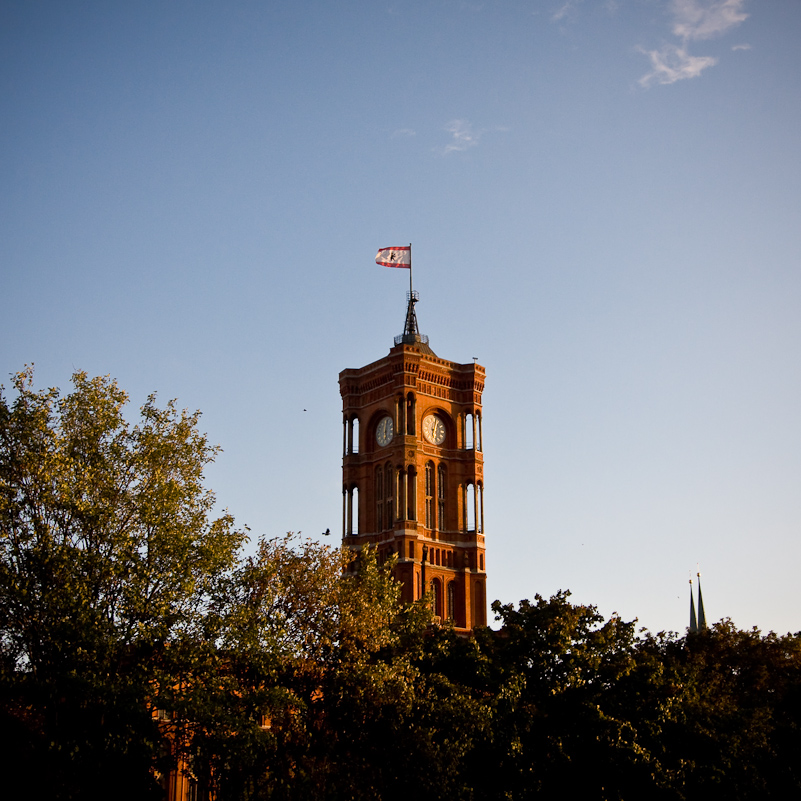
603, 199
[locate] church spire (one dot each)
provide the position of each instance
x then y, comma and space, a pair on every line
693, 621
701, 615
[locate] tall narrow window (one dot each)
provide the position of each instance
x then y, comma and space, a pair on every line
441, 492
436, 596
430, 495
411, 493
451, 600
379, 498
389, 494
410, 414
469, 432
470, 508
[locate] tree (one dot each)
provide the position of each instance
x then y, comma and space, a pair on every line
108, 556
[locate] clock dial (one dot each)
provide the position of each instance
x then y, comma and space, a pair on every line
434, 429
385, 431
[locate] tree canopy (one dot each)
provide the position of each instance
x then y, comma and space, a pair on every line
135, 631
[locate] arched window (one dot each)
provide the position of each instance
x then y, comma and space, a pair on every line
469, 432
354, 435
429, 495
410, 414
440, 522
379, 498
451, 600
436, 596
411, 493
350, 511
470, 507
389, 495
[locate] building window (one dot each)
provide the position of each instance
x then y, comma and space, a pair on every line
441, 486
410, 414
451, 600
430, 495
389, 486
436, 596
411, 493
379, 498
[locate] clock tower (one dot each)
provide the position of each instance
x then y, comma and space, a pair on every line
412, 470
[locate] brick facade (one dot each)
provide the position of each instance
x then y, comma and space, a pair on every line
413, 474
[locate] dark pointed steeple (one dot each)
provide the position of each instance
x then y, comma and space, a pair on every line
693, 621
701, 615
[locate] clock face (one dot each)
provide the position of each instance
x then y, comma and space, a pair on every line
385, 431
434, 429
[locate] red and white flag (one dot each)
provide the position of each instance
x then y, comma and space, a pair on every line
395, 257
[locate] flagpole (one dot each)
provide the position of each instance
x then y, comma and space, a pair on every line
411, 290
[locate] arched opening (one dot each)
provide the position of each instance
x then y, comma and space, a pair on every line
436, 596
470, 507
411, 493
469, 432
389, 491
354, 504
429, 494
350, 511
440, 521
451, 600
410, 414
379, 498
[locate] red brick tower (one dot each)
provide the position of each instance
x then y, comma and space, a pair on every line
412, 472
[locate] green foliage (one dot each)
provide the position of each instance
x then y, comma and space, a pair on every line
107, 557
296, 673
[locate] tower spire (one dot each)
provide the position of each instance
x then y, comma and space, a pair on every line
411, 333
410, 329
701, 615
693, 621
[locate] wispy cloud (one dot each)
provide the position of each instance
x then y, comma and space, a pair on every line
463, 137
704, 19
566, 8
693, 20
742, 47
673, 63
403, 132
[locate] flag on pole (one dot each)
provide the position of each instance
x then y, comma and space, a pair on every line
395, 257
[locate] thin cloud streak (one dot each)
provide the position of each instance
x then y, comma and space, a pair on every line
696, 19
693, 20
463, 136
673, 63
